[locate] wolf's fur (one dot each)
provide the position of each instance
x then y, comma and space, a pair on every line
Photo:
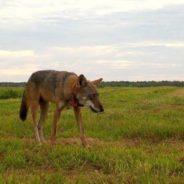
63, 89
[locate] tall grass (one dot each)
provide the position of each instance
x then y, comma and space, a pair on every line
10, 92
138, 139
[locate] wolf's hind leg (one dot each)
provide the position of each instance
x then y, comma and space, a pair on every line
43, 114
34, 108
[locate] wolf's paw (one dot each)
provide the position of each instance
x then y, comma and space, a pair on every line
53, 142
85, 144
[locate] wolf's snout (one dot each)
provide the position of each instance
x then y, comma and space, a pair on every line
101, 109
96, 109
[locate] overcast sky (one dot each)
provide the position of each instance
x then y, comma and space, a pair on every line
115, 39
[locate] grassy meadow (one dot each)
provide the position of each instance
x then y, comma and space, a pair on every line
138, 139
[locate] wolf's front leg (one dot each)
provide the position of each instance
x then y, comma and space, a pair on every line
78, 117
43, 114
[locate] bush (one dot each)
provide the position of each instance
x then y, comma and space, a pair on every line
6, 93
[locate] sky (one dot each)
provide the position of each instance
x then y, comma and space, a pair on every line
127, 40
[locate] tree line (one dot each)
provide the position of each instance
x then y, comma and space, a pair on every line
115, 84
143, 83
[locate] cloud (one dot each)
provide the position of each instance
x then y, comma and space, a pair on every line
115, 64
16, 54
119, 40
112, 62
16, 65
21, 13
156, 26
90, 60
17, 71
158, 44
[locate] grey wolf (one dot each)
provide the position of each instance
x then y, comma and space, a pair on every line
64, 89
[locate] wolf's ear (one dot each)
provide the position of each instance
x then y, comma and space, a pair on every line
97, 82
82, 80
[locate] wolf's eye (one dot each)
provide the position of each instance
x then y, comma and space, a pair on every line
92, 95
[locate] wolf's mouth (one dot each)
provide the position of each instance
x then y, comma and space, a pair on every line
94, 110
80, 105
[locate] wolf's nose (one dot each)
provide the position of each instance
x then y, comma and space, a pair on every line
101, 109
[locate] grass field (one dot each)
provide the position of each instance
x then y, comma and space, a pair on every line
138, 139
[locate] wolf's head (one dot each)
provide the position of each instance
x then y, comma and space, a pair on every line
87, 94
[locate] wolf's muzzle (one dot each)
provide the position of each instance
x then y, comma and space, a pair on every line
101, 109
97, 110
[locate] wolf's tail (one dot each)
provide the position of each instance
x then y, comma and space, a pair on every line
23, 108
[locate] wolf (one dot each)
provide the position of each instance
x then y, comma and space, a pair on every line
64, 89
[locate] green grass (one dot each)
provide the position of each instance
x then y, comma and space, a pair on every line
138, 139
10, 92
